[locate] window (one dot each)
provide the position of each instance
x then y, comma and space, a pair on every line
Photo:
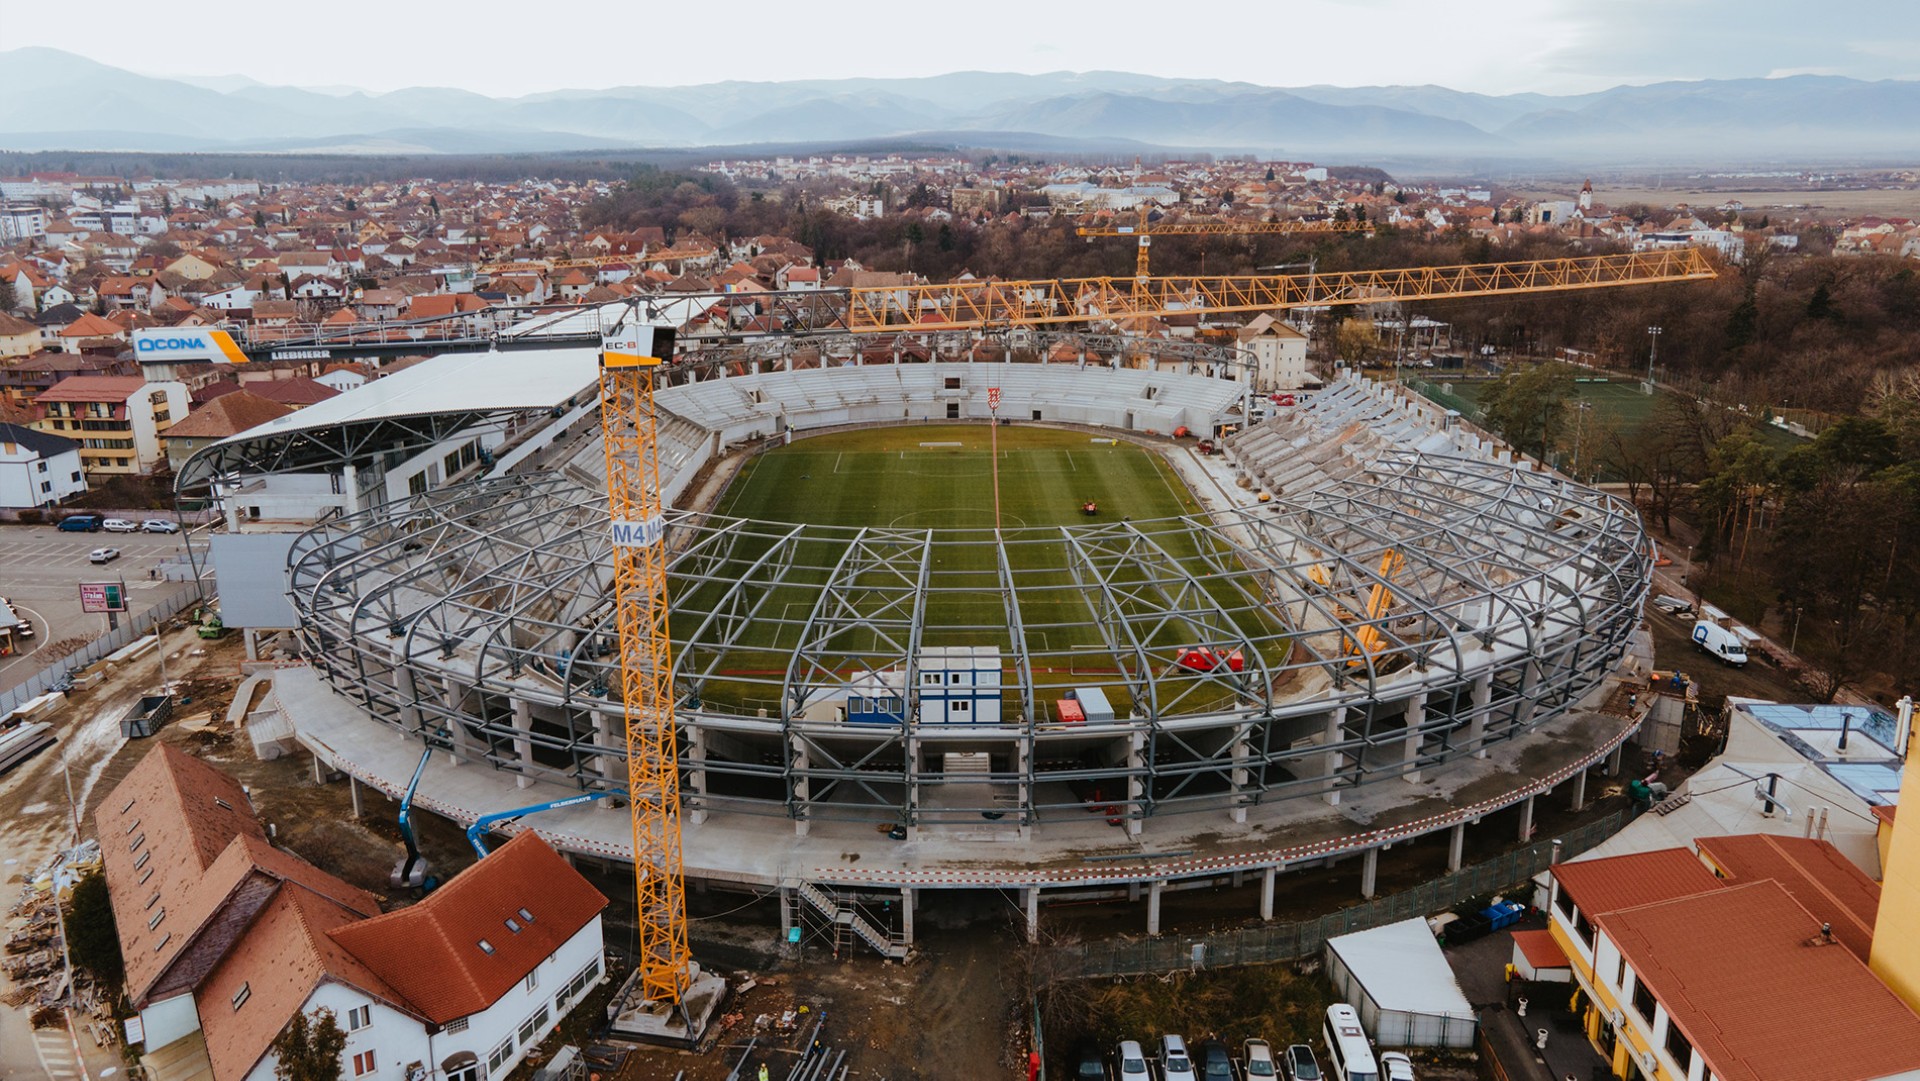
359, 1017
241, 996
154, 900
961, 705
157, 917
930, 679
525, 915
134, 825
499, 1056
486, 947
142, 861
1679, 1047
1621, 982
533, 979
953, 382
956, 678
1583, 927
1643, 1001
144, 875
1563, 902
458, 1024
363, 1064
162, 944
137, 842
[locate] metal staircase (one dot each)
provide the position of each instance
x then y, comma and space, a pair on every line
849, 920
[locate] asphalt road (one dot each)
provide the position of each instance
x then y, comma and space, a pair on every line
41, 570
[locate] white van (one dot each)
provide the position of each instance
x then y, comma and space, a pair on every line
1349, 1055
1711, 637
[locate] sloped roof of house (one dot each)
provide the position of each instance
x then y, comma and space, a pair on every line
93, 388
44, 444
1604, 885
433, 952
1813, 872
228, 414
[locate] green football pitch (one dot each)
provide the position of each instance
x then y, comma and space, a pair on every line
941, 477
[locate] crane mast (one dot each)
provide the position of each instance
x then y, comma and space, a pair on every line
628, 360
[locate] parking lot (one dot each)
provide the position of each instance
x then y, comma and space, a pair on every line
41, 570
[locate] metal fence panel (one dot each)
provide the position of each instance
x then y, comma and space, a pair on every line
134, 627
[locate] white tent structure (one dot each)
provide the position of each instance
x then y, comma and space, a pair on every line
1402, 986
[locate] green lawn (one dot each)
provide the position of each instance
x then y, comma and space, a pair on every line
1620, 397
892, 478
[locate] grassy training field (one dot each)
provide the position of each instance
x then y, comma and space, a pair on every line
941, 477
1618, 399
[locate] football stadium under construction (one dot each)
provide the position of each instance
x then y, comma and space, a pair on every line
1374, 623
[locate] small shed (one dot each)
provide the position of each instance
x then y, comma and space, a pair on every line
1538, 958
1400, 982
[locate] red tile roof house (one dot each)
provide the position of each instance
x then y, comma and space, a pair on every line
227, 937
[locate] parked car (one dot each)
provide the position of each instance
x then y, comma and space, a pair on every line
159, 525
1256, 1059
1131, 1061
1395, 1066
1216, 1064
119, 525
1088, 1063
79, 523
103, 555
1175, 1063
1301, 1065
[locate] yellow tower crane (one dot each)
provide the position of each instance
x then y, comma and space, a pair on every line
629, 357
1222, 227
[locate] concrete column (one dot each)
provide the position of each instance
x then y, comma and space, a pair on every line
1136, 782
1153, 907
252, 636
1526, 821
1369, 873
694, 801
1330, 735
802, 787
1579, 792
464, 744
1240, 775
612, 768
1482, 697
1023, 755
1033, 913
1410, 750
1456, 847
1266, 892
350, 480
353, 793
906, 913
319, 771
1615, 759
522, 746
913, 787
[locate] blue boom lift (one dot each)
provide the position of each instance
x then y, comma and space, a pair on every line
478, 831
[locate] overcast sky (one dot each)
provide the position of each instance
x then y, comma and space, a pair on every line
505, 49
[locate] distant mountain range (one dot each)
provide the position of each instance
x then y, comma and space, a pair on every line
55, 100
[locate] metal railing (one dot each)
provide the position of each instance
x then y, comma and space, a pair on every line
1290, 941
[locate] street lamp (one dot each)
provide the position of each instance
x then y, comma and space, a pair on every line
1579, 425
1653, 351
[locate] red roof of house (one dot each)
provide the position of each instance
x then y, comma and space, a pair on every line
229, 413
296, 392
1812, 872
431, 952
1747, 976
1604, 885
93, 388
1540, 949
90, 326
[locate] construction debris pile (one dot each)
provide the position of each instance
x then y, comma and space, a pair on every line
34, 959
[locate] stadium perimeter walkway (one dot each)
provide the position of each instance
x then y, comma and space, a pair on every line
1070, 850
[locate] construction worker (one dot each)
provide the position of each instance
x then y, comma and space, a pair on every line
763, 1072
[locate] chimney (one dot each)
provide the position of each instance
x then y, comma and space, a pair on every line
1846, 729
1906, 728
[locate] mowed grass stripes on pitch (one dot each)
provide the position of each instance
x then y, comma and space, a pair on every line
885, 478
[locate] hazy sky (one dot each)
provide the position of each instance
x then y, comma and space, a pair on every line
507, 49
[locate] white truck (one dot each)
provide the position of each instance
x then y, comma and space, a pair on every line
1721, 642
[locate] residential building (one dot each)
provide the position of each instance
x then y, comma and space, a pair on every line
1277, 352
19, 223
17, 336
1743, 963
117, 419
37, 469
226, 938
228, 414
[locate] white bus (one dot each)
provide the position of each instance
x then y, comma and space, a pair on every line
1348, 1051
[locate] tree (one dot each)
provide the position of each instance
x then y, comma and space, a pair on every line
1529, 406
93, 939
1354, 340
18, 293
433, 204
259, 219
309, 1048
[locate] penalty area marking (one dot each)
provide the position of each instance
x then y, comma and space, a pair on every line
953, 444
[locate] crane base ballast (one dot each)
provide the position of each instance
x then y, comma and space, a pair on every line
664, 1024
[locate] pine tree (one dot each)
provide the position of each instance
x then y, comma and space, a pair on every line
309, 1048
